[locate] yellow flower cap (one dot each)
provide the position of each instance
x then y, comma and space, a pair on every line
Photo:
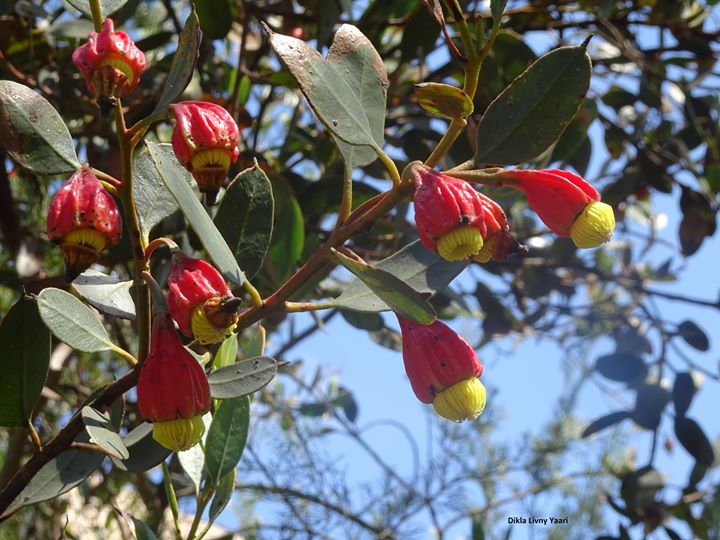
460, 243
205, 331
486, 253
461, 401
594, 226
179, 434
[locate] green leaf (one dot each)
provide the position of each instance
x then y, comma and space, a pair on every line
683, 392
216, 17
58, 476
183, 63
477, 531
192, 460
621, 366
605, 422
694, 440
143, 530
24, 361
106, 293
103, 433
288, 238
153, 200
73, 322
497, 7
650, 401
347, 90
693, 335
532, 112
443, 100
176, 179
245, 218
252, 341
419, 268
108, 6
639, 489
242, 378
222, 497
227, 352
372, 322
399, 296
227, 437
33, 132
144, 452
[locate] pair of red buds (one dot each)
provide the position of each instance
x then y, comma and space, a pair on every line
205, 139
459, 223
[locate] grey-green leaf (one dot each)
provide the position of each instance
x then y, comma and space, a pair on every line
223, 494
153, 200
245, 218
106, 293
242, 378
33, 132
226, 437
419, 268
402, 299
103, 433
144, 452
24, 361
532, 112
72, 321
177, 181
347, 90
183, 63
108, 6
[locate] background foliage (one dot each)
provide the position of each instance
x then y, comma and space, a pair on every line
650, 124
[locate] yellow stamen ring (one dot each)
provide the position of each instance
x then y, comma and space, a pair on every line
213, 158
204, 331
89, 238
121, 65
459, 244
486, 253
180, 434
461, 401
594, 225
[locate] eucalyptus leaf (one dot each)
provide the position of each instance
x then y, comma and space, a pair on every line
24, 361
533, 111
33, 132
183, 63
400, 297
242, 378
176, 179
245, 218
72, 321
226, 437
101, 431
153, 200
106, 293
416, 266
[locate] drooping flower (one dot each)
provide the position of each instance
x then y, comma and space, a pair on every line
84, 219
200, 300
205, 141
110, 62
449, 214
173, 390
443, 369
566, 203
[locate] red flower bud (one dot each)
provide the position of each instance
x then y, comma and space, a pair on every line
200, 300
443, 369
110, 62
449, 214
205, 141
84, 219
566, 203
173, 390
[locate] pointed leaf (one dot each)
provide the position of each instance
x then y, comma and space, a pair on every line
227, 353
683, 392
402, 299
33, 132
444, 100
347, 90
497, 7
621, 366
24, 361
605, 422
419, 268
103, 433
108, 6
176, 179
694, 440
72, 321
242, 378
288, 238
223, 494
227, 437
245, 218
153, 200
532, 112
183, 63
144, 452
106, 293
